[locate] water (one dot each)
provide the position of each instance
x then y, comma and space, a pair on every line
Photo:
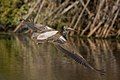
22, 59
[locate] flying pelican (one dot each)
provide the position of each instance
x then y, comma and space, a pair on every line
42, 33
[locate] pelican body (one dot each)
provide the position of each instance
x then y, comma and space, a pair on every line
41, 33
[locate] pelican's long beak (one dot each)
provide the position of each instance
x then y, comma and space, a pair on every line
70, 29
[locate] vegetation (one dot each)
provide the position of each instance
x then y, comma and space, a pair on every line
11, 12
88, 17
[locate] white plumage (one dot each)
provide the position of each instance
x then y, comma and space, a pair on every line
46, 35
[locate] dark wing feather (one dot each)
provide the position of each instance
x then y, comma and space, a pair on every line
76, 57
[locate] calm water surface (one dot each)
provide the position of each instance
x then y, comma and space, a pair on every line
22, 59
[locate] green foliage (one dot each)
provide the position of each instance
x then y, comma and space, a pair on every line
11, 12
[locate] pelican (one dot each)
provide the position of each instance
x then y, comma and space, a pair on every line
43, 33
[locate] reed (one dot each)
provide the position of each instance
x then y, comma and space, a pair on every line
89, 18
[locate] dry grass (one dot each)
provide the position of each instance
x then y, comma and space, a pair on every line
88, 17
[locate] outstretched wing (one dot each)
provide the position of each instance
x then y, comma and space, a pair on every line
76, 57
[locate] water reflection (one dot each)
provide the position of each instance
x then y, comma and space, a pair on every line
22, 59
